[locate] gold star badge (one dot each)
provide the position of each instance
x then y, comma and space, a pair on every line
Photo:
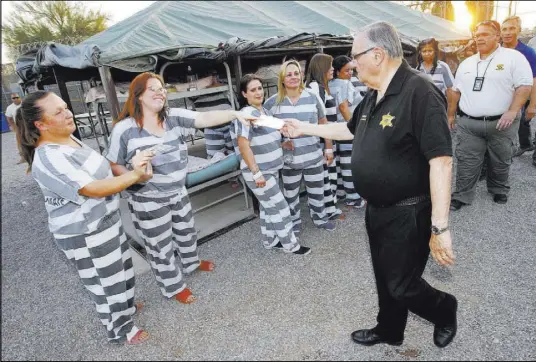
387, 121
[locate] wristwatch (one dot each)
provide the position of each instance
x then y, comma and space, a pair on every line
438, 231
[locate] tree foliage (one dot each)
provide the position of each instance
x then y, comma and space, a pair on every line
480, 10
42, 21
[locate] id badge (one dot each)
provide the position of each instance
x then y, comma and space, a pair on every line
479, 81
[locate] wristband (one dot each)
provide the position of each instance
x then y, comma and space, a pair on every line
257, 176
329, 150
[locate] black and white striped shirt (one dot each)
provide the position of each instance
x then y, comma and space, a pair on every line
265, 143
170, 168
61, 171
308, 108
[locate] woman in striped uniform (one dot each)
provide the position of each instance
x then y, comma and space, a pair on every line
340, 88
261, 158
82, 201
320, 72
428, 63
294, 101
160, 209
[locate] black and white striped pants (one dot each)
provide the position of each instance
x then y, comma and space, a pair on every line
330, 185
276, 222
218, 140
314, 184
345, 182
105, 267
166, 224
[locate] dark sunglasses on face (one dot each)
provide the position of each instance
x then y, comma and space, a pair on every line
15, 98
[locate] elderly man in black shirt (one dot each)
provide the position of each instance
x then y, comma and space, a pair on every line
402, 165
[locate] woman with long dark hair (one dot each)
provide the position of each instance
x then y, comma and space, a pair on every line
160, 208
341, 90
82, 201
428, 62
319, 74
261, 158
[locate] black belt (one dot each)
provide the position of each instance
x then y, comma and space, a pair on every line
485, 118
414, 200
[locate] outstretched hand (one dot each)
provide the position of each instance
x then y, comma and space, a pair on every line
291, 128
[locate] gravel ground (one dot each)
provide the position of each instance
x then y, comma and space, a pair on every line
266, 305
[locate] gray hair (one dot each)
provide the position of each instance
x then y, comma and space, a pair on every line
383, 35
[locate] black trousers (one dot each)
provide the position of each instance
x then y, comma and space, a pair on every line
399, 237
524, 129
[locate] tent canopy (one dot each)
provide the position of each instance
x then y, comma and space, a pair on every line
172, 25
214, 30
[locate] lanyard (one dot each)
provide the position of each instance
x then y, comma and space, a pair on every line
478, 63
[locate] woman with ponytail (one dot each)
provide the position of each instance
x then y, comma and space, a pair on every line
82, 201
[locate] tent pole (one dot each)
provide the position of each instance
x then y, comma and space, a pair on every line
109, 90
64, 93
238, 72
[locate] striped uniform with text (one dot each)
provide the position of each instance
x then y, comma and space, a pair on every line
340, 90
265, 143
217, 139
89, 231
330, 172
160, 208
307, 157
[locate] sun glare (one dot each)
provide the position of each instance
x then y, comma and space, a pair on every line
462, 17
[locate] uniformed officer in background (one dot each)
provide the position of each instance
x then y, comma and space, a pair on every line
491, 87
402, 166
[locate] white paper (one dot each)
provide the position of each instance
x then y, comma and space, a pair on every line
270, 122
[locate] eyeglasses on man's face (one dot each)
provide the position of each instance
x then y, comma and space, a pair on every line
358, 55
13, 98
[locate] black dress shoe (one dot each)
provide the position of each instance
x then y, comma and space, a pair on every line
368, 337
500, 199
445, 333
456, 205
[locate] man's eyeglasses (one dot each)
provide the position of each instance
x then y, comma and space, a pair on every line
15, 98
358, 55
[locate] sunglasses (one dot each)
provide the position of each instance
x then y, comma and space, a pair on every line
488, 22
15, 97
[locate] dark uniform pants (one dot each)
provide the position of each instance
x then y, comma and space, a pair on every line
473, 138
524, 129
399, 237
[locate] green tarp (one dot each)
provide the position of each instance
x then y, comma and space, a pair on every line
172, 25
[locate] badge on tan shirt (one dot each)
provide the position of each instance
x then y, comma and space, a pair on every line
500, 67
387, 121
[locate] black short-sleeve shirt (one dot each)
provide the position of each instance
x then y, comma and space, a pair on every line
395, 139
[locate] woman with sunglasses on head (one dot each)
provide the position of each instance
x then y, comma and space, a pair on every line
341, 90
160, 208
306, 157
320, 72
261, 158
428, 63
82, 201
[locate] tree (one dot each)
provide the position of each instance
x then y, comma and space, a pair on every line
43, 21
480, 10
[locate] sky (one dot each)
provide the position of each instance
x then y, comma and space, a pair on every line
120, 10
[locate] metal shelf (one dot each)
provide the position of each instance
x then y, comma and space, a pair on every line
180, 95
